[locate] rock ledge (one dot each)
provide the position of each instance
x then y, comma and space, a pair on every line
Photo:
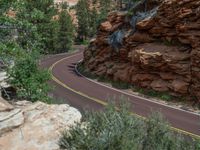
34, 126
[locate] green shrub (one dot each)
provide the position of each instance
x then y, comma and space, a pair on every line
152, 93
118, 130
120, 84
29, 81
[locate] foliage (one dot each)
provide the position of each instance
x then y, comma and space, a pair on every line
39, 14
84, 42
28, 79
90, 13
43, 26
4, 5
20, 46
90, 16
32, 31
10, 50
5, 22
105, 8
82, 12
118, 130
152, 93
66, 30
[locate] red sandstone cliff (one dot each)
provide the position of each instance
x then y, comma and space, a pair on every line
163, 53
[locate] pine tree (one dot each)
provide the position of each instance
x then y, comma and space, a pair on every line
93, 22
83, 16
39, 13
90, 13
66, 30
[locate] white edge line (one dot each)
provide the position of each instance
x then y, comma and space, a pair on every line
126, 93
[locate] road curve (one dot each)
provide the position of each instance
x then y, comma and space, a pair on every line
85, 94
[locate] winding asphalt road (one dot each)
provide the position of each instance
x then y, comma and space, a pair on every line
84, 94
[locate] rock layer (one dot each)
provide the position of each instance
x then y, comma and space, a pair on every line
163, 53
34, 126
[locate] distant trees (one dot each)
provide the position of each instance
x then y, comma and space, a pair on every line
105, 7
4, 5
52, 25
66, 30
126, 3
90, 14
83, 16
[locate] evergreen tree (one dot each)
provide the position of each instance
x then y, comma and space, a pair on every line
22, 51
93, 22
66, 30
83, 16
4, 5
39, 13
90, 13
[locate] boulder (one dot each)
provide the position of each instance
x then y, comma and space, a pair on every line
180, 86
122, 75
159, 85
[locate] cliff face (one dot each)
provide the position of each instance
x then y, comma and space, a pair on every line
160, 51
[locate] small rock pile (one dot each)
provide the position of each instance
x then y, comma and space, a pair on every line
162, 54
34, 126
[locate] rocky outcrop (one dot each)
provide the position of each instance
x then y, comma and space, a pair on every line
34, 126
161, 51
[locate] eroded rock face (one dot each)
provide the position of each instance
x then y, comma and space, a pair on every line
35, 126
163, 53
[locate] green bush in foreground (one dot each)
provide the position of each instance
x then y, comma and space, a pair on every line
29, 80
118, 130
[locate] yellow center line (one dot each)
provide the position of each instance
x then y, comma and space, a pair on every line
195, 136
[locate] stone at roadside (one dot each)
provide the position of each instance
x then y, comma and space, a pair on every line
159, 85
